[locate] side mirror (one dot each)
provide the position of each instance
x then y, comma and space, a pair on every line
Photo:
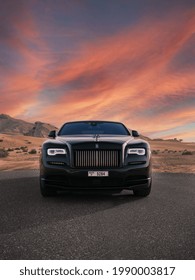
52, 134
135, 133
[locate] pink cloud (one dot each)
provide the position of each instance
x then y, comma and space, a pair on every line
115, 78
119, 77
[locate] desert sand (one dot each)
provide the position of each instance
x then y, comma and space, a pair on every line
168, 156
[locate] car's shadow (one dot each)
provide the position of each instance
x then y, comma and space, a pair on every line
22, 205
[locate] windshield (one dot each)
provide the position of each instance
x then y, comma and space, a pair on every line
77, 128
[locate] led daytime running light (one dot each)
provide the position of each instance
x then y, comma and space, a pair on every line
56, 151
137, 151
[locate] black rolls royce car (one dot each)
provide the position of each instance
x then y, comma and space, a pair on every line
95, 156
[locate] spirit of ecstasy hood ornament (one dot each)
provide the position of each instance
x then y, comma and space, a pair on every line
96, 136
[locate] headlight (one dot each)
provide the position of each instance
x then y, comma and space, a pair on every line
138, 151
56, 151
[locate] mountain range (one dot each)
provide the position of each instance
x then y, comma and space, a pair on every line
9, 125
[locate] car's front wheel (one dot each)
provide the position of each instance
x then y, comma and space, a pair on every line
144, 191
45, 190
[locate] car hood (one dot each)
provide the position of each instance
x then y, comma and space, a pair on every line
101, 138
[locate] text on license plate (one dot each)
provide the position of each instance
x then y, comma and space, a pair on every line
98, 173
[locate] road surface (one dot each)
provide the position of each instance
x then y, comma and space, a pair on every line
161, 226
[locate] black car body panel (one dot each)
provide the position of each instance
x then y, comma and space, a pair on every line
101, 153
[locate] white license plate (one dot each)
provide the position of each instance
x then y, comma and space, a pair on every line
98, 174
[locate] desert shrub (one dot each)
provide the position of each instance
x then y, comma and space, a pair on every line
29, 142
3, 153
10, 149
24, 149
17, 149
1, 140
33, 151
187, 153
154, 152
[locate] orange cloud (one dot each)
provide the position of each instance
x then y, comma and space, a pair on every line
20, 84
122, 77
118, 78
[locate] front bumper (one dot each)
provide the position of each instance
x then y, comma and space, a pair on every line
66, 178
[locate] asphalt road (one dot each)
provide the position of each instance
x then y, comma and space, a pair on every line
161, 226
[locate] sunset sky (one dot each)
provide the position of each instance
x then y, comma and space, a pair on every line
126, 60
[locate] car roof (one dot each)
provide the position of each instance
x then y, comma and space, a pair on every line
89, 121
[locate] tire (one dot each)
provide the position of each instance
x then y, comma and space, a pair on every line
45, 190
143, 192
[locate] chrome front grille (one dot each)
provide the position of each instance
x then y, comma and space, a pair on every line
96, 158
